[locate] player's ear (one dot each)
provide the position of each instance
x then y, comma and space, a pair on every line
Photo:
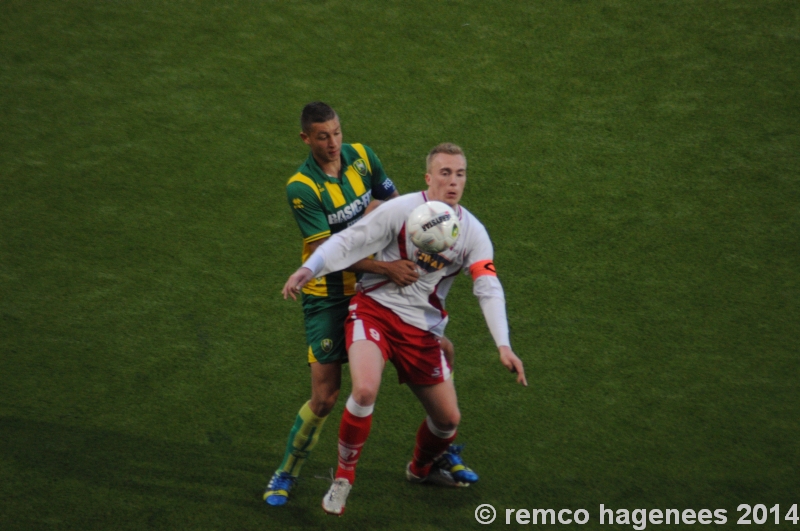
428, 179
304, 137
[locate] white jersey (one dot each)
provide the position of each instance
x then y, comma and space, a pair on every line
420, 304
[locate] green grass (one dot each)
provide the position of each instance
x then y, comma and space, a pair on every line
637, 164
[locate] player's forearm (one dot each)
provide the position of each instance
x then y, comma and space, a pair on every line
494, 311
493, 305
345, 248
368, 265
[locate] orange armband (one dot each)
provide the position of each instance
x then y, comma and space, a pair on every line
484, 267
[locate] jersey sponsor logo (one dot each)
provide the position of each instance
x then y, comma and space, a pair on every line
326, 344
436, 221
360, 167
431, 262
375, 334
297, 203
348, 212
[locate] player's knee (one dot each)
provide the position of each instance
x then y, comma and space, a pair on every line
323, 403
364, 395
449, 421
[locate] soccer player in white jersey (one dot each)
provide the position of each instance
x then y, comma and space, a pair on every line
401, 323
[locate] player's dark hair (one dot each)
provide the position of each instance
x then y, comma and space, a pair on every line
447, 148
315, 112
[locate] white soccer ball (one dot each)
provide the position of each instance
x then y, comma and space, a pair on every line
433, 227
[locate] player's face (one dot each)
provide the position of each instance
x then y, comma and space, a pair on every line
446, 178
325, 140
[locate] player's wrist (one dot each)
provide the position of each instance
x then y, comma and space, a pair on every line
315, 263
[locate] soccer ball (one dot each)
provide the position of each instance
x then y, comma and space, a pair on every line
433, 227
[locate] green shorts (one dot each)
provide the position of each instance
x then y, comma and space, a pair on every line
324, 319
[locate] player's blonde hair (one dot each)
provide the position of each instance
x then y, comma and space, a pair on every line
447, 148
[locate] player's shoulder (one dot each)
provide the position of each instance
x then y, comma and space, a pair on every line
302, 184
357, 149
470, 218
407, 201
399, 207
471, 224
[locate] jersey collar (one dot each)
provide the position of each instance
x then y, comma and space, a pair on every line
313, 167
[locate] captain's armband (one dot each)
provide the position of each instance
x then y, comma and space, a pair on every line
484, 267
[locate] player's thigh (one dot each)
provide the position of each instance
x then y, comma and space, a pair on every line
440, 403
366, 369
324, 322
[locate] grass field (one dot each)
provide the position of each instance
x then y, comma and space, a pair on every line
636, 163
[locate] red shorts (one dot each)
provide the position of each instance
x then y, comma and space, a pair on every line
415, 353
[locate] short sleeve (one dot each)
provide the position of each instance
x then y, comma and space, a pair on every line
307, 209
382, 185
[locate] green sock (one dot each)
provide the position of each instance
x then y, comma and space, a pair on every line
302, 439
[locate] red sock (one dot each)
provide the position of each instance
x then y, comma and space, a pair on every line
353, 433
429, 446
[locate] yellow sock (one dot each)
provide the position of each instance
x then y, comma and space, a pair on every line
302, 439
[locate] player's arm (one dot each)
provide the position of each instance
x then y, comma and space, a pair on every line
448, 350
490, 294
345, 248
401, 272
487, 288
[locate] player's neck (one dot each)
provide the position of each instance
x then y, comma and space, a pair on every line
433, 197
332, 168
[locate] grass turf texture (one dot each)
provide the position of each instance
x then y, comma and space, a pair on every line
635, 162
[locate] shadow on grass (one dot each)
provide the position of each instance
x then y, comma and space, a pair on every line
64, 476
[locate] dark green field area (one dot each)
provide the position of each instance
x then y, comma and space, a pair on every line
636, 163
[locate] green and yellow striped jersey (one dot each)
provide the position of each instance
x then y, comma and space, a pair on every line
324, 205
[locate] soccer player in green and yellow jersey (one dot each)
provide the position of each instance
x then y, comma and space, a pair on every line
330, 191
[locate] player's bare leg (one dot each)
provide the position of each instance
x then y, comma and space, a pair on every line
435, 434
366, 368
440, 403
326, 380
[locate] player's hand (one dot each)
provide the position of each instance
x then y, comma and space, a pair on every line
448, 349
401, 272
513, 364
296, 282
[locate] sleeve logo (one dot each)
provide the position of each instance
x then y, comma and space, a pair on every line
297, 203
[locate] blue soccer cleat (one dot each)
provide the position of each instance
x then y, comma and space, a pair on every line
452, 462
277, 492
